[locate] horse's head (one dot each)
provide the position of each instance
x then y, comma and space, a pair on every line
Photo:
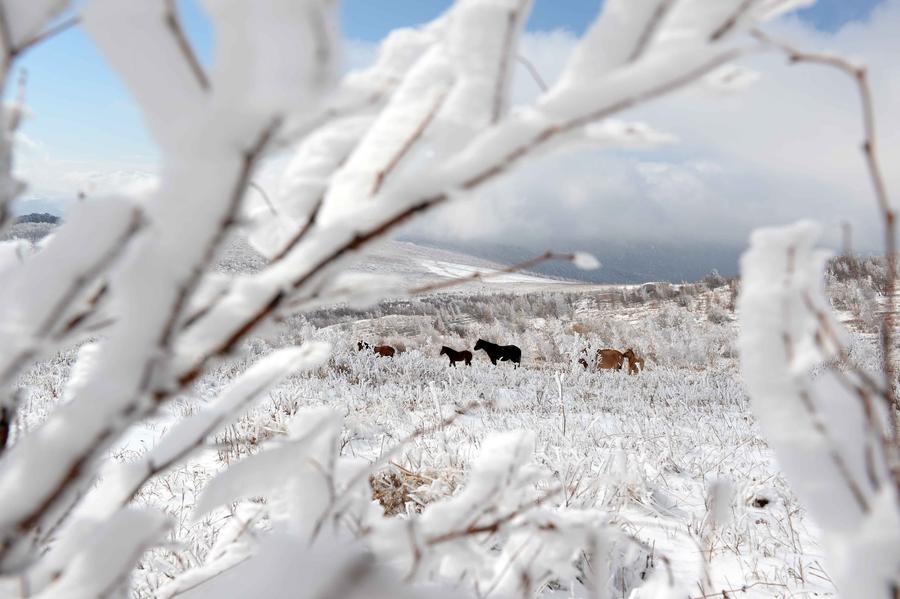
480, 344
444, 349
629, 353
359, 345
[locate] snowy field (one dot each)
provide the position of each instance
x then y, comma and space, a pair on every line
671, 457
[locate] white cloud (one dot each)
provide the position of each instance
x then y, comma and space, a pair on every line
784, 148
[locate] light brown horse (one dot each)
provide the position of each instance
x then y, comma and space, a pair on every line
385, 351
609, 359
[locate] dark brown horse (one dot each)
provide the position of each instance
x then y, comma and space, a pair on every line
385, 351
456, 356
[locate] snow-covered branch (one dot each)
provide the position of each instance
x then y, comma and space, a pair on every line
429, 122
830, 436
869, 148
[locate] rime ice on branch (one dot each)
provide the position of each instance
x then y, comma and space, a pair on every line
429, 122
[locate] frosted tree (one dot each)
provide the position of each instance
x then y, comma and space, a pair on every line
428, 123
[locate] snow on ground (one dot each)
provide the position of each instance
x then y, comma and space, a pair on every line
645, 450
451, 270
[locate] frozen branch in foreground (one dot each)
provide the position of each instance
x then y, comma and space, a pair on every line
888, 212
828, 437
429, 123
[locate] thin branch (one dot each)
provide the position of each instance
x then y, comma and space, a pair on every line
111, 589
726, 594
153, 468
6, 39
45, 35
731, 22
535, 74
388, 455
888, 215
174, 24
815, 418
494, 525
81, 317
132, 410
229, 220
293, 133
513, 23
825, 327
71, 293
265, 196
408, 145
650, 29
302, 232
553, 132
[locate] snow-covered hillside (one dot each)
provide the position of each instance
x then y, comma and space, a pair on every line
648, 455
416, 264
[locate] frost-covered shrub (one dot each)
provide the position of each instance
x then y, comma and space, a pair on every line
713, 280
716, 314
32, 232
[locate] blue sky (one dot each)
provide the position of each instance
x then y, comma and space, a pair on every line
82, 116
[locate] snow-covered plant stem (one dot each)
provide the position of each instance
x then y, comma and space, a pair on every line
869, 148
824, 421
833, 426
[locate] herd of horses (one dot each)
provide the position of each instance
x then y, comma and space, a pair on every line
606, 359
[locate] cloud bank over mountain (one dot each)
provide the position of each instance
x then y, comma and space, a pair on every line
785, 148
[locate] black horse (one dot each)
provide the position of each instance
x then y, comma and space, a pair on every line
503, 353
457, 356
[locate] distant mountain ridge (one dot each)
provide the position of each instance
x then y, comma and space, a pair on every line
623, 262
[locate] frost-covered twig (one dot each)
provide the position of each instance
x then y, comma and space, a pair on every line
532, 70
648, 31
494, 525
338, 503
408, 145
727, 593
869, 149
427, 124
174, 24
732, 21
515, 19
46, 34
823, 430
38, 321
